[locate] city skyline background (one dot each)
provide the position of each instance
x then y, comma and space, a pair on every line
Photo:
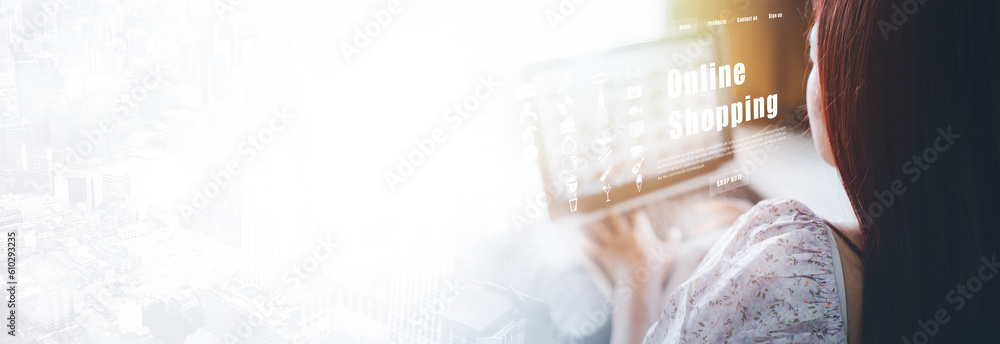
216, 171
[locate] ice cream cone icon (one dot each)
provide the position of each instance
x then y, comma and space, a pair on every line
638, 182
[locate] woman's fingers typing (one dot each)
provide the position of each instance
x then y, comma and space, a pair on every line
600, 233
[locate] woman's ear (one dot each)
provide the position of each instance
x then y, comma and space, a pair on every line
814, 101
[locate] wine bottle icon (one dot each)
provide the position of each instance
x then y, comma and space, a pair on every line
635, 169
602, 111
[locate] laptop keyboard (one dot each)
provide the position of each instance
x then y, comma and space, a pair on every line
682, 211
674, 212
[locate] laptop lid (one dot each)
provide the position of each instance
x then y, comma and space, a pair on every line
623, 122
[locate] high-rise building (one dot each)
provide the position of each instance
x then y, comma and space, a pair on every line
77, 189
272, 237
12, 137
10, 218
116, 182
195, 143
36, 79
8, 83
37, 160
5, 40
49, 291
119, 214
233, 312
74, 187
33, 208
58, 119
142, 171
83, 124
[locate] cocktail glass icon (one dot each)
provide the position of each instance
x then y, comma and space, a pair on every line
607, 191
572, 204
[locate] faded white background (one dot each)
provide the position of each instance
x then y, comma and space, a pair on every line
222, 171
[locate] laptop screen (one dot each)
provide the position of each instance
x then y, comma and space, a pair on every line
615, 124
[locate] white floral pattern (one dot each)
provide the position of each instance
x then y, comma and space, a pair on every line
770, 279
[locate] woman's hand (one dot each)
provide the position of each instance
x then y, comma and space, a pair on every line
637, 262
625, 251
718, 213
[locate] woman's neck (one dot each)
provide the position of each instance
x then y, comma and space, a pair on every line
850, 243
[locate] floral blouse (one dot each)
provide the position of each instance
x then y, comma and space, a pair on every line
774, 277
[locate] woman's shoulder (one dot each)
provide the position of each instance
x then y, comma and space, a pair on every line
771, 277
774, 223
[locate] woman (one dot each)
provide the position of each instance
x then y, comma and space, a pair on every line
904, 101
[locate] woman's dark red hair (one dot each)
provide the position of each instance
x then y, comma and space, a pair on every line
891, 89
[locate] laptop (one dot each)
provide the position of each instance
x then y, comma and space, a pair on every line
605, 145
604, 137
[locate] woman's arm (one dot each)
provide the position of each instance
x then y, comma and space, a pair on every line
636, 262
630, 318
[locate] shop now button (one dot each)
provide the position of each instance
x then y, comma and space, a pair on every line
727, 181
